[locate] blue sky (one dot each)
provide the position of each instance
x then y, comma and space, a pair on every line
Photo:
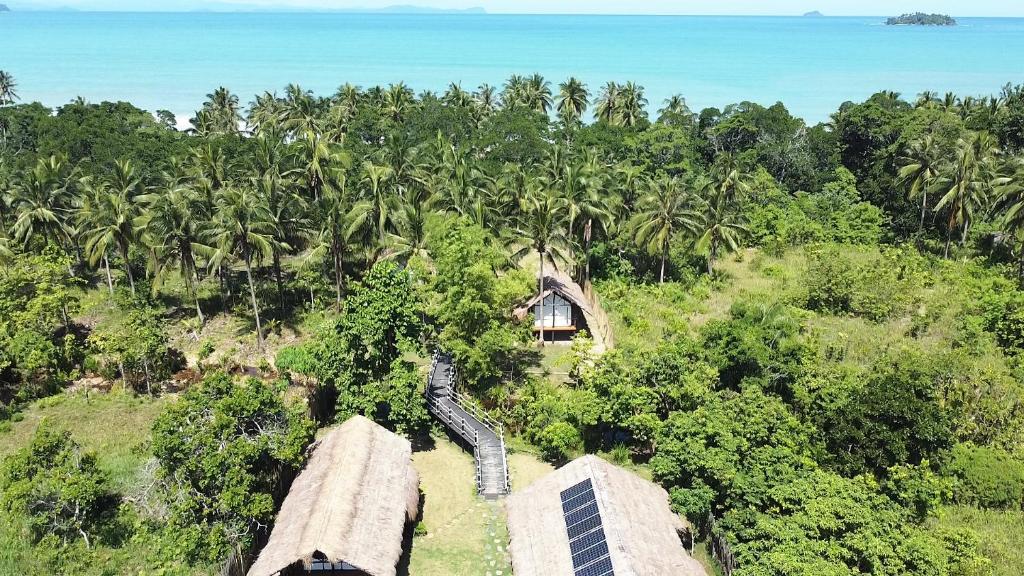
769, 7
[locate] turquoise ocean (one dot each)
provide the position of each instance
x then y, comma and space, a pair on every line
172, 60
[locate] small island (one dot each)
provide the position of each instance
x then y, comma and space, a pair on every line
814, 14
922, 19
4, 8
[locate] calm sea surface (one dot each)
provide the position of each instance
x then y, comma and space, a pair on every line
171, 61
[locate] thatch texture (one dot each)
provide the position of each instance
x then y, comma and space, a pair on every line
350, 503
562, 284
642, 532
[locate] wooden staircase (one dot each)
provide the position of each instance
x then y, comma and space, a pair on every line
471, 424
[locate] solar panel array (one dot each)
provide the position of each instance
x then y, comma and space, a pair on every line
587, 541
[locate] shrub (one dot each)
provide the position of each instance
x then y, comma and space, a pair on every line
560, 441
876, 287
986, 477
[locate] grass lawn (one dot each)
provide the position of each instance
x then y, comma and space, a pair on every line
115, 425
1001, 533
465, 534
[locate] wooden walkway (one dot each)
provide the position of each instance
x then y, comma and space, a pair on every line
471, 424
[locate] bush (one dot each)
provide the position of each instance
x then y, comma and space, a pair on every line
560, 441
876, 287
986, 477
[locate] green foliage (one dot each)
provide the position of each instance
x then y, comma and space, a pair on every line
559, 441
223, 450
37, 298
471, 304
895, 418
358, 356
986, 477
58, 487
131, 337
875, 287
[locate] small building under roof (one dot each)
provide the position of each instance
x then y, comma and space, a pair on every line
347, 510
591, 518
566, 311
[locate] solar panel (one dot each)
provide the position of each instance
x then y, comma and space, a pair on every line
587, 542
602, 567
577, 490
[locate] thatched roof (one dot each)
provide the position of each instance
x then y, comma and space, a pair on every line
562, 284
559, 283
350, 503
643, 534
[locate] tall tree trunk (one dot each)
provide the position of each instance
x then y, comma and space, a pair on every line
128, 269
280, 283
255, 306
110, 280
337, 274
540, 286
588, 235
664, 258
949, 238
199, 310
924, 206
713, 249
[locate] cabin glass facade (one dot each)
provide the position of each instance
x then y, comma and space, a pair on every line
556, 313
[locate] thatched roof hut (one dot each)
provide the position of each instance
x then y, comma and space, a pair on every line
620, 524
349, 506
581, 312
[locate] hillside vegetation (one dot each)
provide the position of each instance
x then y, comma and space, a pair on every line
818, 328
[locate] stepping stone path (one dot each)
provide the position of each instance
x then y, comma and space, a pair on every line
495, 554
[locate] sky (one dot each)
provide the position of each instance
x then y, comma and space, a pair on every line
738, 7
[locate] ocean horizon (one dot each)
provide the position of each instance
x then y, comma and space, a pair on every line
171, 60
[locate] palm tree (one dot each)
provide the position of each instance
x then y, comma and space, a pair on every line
42, 201
513, 94
665, 211
171, 224
543, 228
374, 182
921, 164
964, 184
8, 88
338, 221
242, 228
265, 113
287, 211
573, 99
320, 162
607, 106
927, 99
1011, 204
722, 224
730, 177
107, 218
397, 101
300, 111
487, 99
220, 113
675, 112
632, 105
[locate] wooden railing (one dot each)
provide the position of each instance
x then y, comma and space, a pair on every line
720, 549
460, 424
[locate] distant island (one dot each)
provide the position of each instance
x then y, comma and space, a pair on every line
4, 8
922, 19
814, 14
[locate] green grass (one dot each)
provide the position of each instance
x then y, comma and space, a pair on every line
116, 426
465, 534
1001, 533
